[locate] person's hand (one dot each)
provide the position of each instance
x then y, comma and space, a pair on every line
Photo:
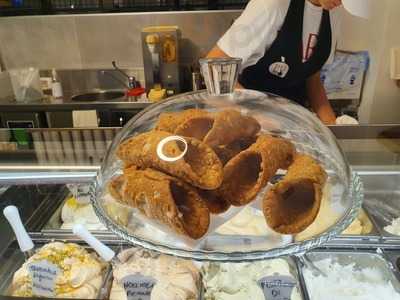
330, 4
328, 119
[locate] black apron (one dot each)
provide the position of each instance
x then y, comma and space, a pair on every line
281, 70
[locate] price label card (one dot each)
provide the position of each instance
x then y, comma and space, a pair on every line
43, 275
138, 287
277, 287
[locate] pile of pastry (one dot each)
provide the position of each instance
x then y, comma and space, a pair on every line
225, 161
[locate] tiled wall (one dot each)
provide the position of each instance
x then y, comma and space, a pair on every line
93, 41
6, 91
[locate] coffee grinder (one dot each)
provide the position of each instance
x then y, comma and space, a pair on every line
160, 46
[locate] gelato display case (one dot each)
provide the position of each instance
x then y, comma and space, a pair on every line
359, 262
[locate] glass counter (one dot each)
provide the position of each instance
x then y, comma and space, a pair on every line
45, 172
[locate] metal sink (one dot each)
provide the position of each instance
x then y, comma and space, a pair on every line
99, 96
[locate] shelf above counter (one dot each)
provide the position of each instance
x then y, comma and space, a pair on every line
61, 105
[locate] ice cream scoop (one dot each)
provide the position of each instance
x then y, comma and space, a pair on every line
24, 241
105, 252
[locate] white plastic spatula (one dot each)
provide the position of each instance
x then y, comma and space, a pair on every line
24, 241
105, 252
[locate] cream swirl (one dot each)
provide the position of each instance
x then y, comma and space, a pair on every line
81, 272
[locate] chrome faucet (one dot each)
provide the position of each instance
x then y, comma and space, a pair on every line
132, 82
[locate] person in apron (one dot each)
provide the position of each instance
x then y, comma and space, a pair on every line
288, 66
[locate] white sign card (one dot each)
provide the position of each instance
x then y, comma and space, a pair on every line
277, 287
43, 275
138, 287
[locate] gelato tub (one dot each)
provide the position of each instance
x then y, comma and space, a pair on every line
382, 203
350, 276
173, 278
234, 281
56, 270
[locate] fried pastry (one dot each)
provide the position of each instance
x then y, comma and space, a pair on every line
200, 166
215, 203
292, 204
170, 121
249, 171
227, 152
220, 128
163, 198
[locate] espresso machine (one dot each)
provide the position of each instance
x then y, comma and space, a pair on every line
160, 46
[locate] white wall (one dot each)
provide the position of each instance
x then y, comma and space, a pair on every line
93, 41
386, 105
381, 98
82, 41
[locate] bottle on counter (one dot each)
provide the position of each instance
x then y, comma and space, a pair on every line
56, 87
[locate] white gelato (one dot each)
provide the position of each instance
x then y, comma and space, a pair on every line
74, 212
348, 282
77, 212
81, 276
238, 281
361, 225
248, 222
177, 279
394, 227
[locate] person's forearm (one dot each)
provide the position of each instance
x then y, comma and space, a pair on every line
319, 101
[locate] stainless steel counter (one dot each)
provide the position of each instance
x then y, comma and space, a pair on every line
68, 105
80, 82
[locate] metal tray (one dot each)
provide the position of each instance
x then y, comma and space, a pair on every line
363, 259
293, 270
382, 201
123, 245
13, 258
354, 248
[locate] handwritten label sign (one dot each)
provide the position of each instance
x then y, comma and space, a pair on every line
43, 275
277, 287
138, 287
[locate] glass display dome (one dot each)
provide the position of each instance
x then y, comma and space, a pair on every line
242, 176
